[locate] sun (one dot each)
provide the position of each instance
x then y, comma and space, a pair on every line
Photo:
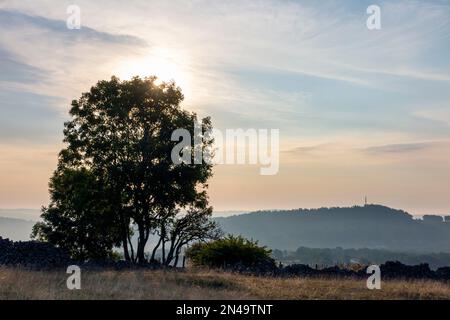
162, 63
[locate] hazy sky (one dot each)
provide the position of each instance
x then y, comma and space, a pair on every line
360, 112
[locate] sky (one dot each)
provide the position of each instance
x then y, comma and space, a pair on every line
360, 112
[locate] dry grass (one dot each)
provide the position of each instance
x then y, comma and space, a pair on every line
204, 284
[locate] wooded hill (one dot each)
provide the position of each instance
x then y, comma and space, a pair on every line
370, 226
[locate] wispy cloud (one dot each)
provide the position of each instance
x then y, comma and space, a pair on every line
311, 149
42, 56
16, 71
399, 148
45, 65
13, 19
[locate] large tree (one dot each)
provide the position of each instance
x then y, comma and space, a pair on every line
121, 133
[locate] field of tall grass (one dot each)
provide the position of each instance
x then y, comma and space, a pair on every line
203, 284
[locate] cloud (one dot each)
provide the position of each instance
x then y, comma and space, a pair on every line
324, 48
438, 114
42, 56
399, 148
16, 71
309, 150
343, 150
43, 66
12, 19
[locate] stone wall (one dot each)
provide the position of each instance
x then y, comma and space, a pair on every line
32, 254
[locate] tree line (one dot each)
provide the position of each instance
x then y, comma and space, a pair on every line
335, 256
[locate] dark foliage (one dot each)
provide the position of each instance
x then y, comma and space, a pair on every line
39, 255
231, 252
331, 257
32, 254
116, 174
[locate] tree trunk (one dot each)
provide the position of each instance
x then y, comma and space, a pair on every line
124, 237
163, 242
140, 254
155, 249
177, 255
131, 248
126, 253
163, 259
171, 252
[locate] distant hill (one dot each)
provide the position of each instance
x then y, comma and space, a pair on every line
15, 229
371, 226
227, 213
23, 214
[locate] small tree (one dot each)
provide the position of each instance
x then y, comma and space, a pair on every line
195, 225
230, 251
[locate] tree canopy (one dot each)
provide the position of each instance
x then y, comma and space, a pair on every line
118, 151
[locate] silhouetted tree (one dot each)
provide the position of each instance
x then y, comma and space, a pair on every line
120, 132
181, 229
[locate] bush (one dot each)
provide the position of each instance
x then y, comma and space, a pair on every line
231, 252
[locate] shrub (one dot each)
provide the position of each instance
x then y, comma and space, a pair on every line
230, 251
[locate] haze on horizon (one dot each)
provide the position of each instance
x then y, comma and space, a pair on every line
360, 112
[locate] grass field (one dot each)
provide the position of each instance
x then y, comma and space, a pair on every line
203, 284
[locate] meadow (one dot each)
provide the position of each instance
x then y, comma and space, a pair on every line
16, 283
